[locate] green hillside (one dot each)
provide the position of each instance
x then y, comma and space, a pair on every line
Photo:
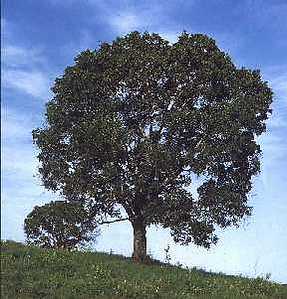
29, 272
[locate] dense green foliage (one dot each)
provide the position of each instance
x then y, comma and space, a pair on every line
60, 224
131, 121
30, 272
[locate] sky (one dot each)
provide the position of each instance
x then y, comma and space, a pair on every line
40, 38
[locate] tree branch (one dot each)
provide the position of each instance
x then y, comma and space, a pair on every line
113, 221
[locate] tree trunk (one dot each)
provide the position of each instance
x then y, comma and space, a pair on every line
139, 254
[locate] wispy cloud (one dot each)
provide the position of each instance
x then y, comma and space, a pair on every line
154, 17
279, 84
21, 188
126, 22
18, 154
84, 41
24, 75
34, 83
126, 16
15, 56
276, 76
22, 68
273, 143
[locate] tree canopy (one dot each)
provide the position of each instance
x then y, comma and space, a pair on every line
133, 121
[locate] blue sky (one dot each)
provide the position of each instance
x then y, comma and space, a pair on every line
40, 38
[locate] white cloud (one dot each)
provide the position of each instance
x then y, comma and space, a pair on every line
16, 129
19, 164
127, 16
277, 79
279, 84
19, 161
128, 21
14, 56
152, 16
277, 121
85, 41
21, 189
274, 148
22, 68
33, 82
125, 22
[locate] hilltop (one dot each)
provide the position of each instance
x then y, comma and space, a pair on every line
30, 272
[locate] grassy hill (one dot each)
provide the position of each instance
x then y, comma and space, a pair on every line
29, 272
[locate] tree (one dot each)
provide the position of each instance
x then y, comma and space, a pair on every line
60, 224
132, 121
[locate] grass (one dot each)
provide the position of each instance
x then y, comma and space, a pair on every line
30, 272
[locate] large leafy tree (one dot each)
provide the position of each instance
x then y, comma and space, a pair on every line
132, 122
